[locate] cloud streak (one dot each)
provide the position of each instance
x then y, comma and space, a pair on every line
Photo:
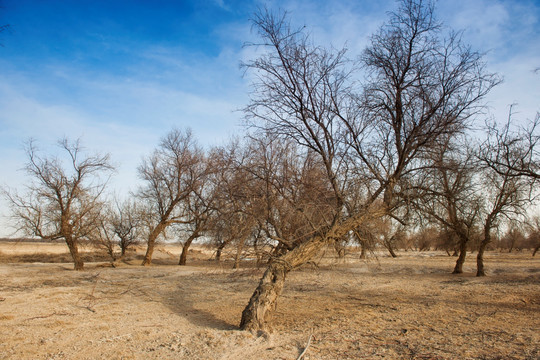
122, 80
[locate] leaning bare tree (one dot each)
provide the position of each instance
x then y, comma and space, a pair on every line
63, 198
170, 175
419, 88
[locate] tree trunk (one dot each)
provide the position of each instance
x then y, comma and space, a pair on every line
536, 249
362, 250
124, 243
458, 269
480, 271
185, 249
238, 255
512, 243
264, 298
480, 259
258, 253
220, 250
340, 249
74, 251
236, 264
388, 246
122, 251
147, 261
151, 243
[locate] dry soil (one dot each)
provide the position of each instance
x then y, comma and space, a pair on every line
410, 307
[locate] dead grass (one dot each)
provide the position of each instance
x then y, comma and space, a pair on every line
405, 308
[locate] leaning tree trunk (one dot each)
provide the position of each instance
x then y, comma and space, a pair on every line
219, 250
264, 299
388, 245
480, 271
536, 249
185, 249
151, 243
458, 269
74, 251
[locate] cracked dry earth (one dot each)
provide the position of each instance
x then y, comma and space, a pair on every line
405, 308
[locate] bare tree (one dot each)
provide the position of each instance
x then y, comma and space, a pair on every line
449, 192
420, 88
510, 162
126, 222
198, 206
170, 174
63, 198
232, 220
103, 237
534, 234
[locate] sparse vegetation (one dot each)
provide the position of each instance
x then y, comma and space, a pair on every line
361, 180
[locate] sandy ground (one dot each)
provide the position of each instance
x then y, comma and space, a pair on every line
405, 308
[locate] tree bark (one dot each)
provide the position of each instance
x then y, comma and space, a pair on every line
122, 251
388, 246
480, 271
74, 251
458, 269
362, 249
480, 259
238, 255
185, 249
220, 250
147, 261
258, 253
264, 298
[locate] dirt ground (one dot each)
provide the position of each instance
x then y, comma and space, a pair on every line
382, 308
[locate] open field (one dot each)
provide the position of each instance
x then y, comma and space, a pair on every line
405, 308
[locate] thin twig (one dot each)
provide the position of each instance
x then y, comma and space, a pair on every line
307, 346
48, 316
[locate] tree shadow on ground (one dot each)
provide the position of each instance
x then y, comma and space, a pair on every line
206, 306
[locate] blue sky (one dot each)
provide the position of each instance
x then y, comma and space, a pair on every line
120, 74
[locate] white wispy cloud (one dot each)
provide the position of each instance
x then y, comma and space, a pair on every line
125, 106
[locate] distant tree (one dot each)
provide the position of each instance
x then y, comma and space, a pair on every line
103, 237
127, 223
514, 238
534, 234
510, 163
426, 238
63, 198
231, 220
449, 193
170, 175
198, 206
